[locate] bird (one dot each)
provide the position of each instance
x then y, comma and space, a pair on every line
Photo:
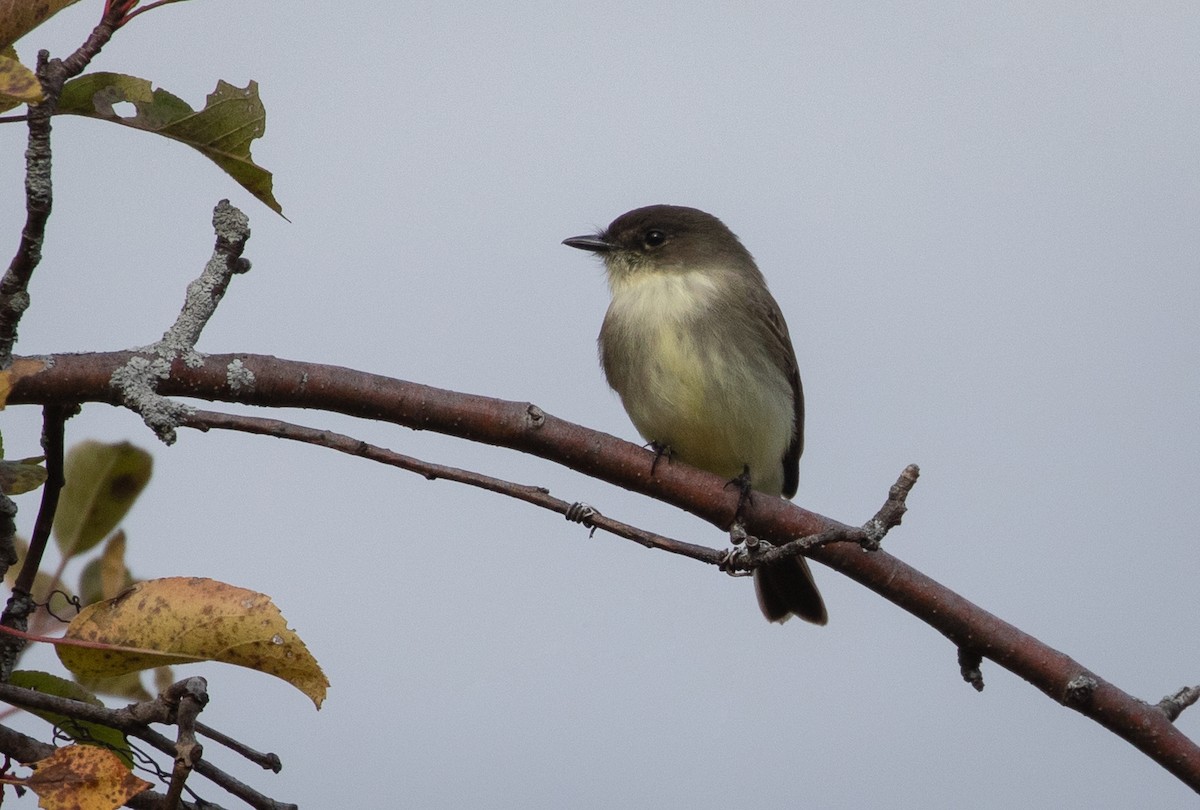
698, 350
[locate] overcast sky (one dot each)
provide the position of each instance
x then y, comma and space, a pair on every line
983, 226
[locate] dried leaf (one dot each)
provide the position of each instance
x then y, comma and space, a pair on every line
19, 17
80, 731
232, 117
83, 777
103, 481
182, 620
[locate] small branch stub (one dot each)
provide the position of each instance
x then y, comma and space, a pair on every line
1173, 705
970, 664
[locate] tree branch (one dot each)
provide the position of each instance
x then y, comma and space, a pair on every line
133, 720
272, 382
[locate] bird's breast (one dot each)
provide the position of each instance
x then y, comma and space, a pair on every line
693, 378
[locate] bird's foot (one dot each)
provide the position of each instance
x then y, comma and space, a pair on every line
661, 451
745, 496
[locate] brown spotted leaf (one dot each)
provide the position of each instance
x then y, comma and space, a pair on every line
182, 620
83, 777
18, 84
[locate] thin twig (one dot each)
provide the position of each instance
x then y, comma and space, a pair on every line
869, 536
188, 698
20, 604
538, 496
268, 761
149, 7
52, 74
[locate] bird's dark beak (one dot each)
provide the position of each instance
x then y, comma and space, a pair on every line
590, 242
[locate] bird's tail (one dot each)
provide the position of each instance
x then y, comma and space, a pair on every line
787, 588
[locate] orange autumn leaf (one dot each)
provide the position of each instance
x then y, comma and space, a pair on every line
83, 777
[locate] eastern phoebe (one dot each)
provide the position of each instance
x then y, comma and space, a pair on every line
699, 352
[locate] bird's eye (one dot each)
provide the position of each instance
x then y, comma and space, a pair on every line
655, 237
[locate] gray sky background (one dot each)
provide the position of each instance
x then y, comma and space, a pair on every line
983, 226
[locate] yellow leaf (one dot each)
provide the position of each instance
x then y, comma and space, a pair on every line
107, 575
127, 687
18, 85
19, 477
19, 17
232, 117
83, 777
103, 480
182, 620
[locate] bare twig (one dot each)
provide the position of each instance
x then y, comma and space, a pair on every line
137, 380
20, 604
537, 496
204, 293
39, 196
868, 537
187, 698
147, 7
267, 761
1173, 705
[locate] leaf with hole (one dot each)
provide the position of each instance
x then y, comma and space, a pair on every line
232, 117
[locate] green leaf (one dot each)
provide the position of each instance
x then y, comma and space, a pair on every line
232, 117
103, 481
19, 17
78, 730
19, 477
